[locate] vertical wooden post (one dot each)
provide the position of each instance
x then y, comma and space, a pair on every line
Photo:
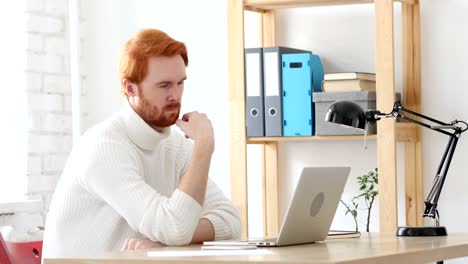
270, 150
386, 136
238, 140
270, 191
412, 98
417, 103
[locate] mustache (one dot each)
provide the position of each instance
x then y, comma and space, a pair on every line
172, 106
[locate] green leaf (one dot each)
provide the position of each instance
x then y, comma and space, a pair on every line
361, 195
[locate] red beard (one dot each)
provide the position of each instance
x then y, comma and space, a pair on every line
156, 117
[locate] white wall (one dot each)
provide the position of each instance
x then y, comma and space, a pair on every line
344, 37
201, 25
104, 26
444, 83
107, 26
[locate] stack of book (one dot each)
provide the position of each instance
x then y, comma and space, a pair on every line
348, 81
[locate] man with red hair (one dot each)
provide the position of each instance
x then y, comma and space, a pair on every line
133, 183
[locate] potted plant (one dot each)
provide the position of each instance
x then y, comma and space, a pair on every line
368, 191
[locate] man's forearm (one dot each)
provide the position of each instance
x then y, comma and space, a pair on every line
195, 179
204, 232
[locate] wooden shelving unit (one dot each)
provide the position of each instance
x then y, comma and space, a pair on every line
388, 131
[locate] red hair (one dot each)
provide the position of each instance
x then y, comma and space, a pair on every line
133, 64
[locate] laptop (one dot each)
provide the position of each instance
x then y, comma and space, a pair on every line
310, 212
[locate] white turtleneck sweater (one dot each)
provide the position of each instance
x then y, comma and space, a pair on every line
120, 182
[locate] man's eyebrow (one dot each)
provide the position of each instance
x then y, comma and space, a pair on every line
162, 82
166, 82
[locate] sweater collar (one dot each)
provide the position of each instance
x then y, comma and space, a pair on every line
140, 132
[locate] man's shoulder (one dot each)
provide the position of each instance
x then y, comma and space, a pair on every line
111, 129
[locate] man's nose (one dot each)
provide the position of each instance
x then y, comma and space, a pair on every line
175, 94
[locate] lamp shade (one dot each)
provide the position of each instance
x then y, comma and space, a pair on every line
346, 113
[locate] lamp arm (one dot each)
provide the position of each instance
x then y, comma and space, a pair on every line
434, 194
397, 106
427, 126
433, 197
398, 112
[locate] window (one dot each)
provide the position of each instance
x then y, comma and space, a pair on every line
13, 105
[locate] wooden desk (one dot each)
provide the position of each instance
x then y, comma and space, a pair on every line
372, 248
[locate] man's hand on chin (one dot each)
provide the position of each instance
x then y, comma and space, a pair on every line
138, 244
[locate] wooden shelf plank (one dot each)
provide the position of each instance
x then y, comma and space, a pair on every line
258, 5
406, 132
263, 140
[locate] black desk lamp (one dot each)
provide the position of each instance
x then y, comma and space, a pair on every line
351, 114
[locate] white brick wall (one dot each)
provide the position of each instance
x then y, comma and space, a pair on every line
40, 184
45, 62
55, 83
68, 103
56, 45
42, 23
44, 102
56, 7
59, 122
34, 81
35, 42
34, 5
52, 143
53, 162
34, 164
48, 81
34, 122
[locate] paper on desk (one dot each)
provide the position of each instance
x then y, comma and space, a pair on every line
216, 247
197, 253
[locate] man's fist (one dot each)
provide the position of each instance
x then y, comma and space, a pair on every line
198, 127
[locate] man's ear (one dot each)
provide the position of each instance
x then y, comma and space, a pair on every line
129, 88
